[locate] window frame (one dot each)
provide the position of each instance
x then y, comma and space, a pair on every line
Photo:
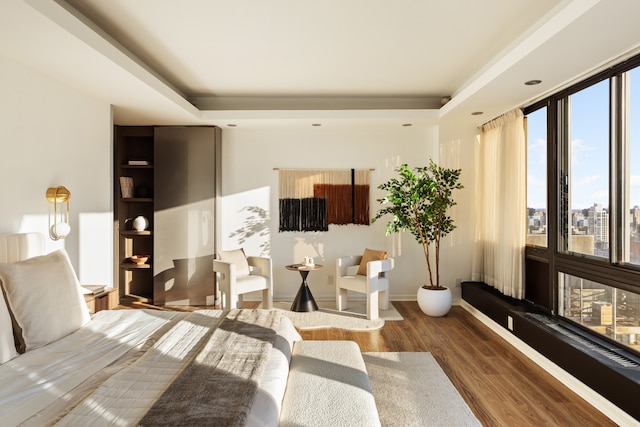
537, 107
612, 271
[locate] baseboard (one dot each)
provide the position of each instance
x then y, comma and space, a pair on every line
599, 402
354, 297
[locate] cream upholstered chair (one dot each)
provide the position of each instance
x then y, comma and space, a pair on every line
239, 274
374, 283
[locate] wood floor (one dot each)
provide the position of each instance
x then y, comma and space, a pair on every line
501, 386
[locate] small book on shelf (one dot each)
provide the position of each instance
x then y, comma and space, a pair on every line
138, 162
126, 187
94, 289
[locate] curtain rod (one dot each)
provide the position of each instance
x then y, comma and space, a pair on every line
500, 118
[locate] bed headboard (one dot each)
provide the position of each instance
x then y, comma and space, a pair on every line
16, 247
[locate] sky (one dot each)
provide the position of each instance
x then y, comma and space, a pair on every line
589, 148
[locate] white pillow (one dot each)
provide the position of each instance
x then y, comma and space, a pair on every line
238, 258
44, 298
7, 345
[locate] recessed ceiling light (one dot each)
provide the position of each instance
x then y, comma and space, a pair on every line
477, 113
533, 82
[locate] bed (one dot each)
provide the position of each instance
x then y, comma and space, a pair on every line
61, 366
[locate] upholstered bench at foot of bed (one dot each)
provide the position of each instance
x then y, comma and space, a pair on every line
328, 385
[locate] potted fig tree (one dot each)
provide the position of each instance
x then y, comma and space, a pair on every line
419, 201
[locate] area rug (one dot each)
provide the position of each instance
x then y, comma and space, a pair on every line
353, 318
411, 389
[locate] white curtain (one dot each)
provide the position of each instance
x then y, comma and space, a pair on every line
500, 226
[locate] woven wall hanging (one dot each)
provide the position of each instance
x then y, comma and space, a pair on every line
311, 199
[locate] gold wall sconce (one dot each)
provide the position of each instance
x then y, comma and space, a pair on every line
59, 227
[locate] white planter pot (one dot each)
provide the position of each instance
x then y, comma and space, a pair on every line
435, 302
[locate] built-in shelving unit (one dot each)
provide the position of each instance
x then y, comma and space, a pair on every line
134, 144
170, 175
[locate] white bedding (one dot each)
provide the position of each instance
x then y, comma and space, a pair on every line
37, 378
111, 371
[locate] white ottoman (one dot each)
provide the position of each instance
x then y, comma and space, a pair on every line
328, 385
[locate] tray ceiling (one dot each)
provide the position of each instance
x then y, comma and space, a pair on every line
202, 61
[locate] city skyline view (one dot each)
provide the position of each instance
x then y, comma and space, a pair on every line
589, 180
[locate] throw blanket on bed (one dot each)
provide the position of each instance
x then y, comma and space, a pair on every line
228, 367
120, 387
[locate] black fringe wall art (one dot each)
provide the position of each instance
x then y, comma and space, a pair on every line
311, 199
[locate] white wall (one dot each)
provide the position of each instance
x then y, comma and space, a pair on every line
50, 136
250, 199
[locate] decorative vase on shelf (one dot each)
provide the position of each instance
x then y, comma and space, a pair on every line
140, 223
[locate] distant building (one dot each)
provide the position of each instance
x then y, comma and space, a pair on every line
635, 219
578, 220
598, 223
537, 222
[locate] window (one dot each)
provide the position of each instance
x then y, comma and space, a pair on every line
631, 143
586, 139
606, 310
537, 178
592, 211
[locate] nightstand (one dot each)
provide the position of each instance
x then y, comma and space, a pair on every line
106, 300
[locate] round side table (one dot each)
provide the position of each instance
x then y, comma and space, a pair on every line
304, 299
